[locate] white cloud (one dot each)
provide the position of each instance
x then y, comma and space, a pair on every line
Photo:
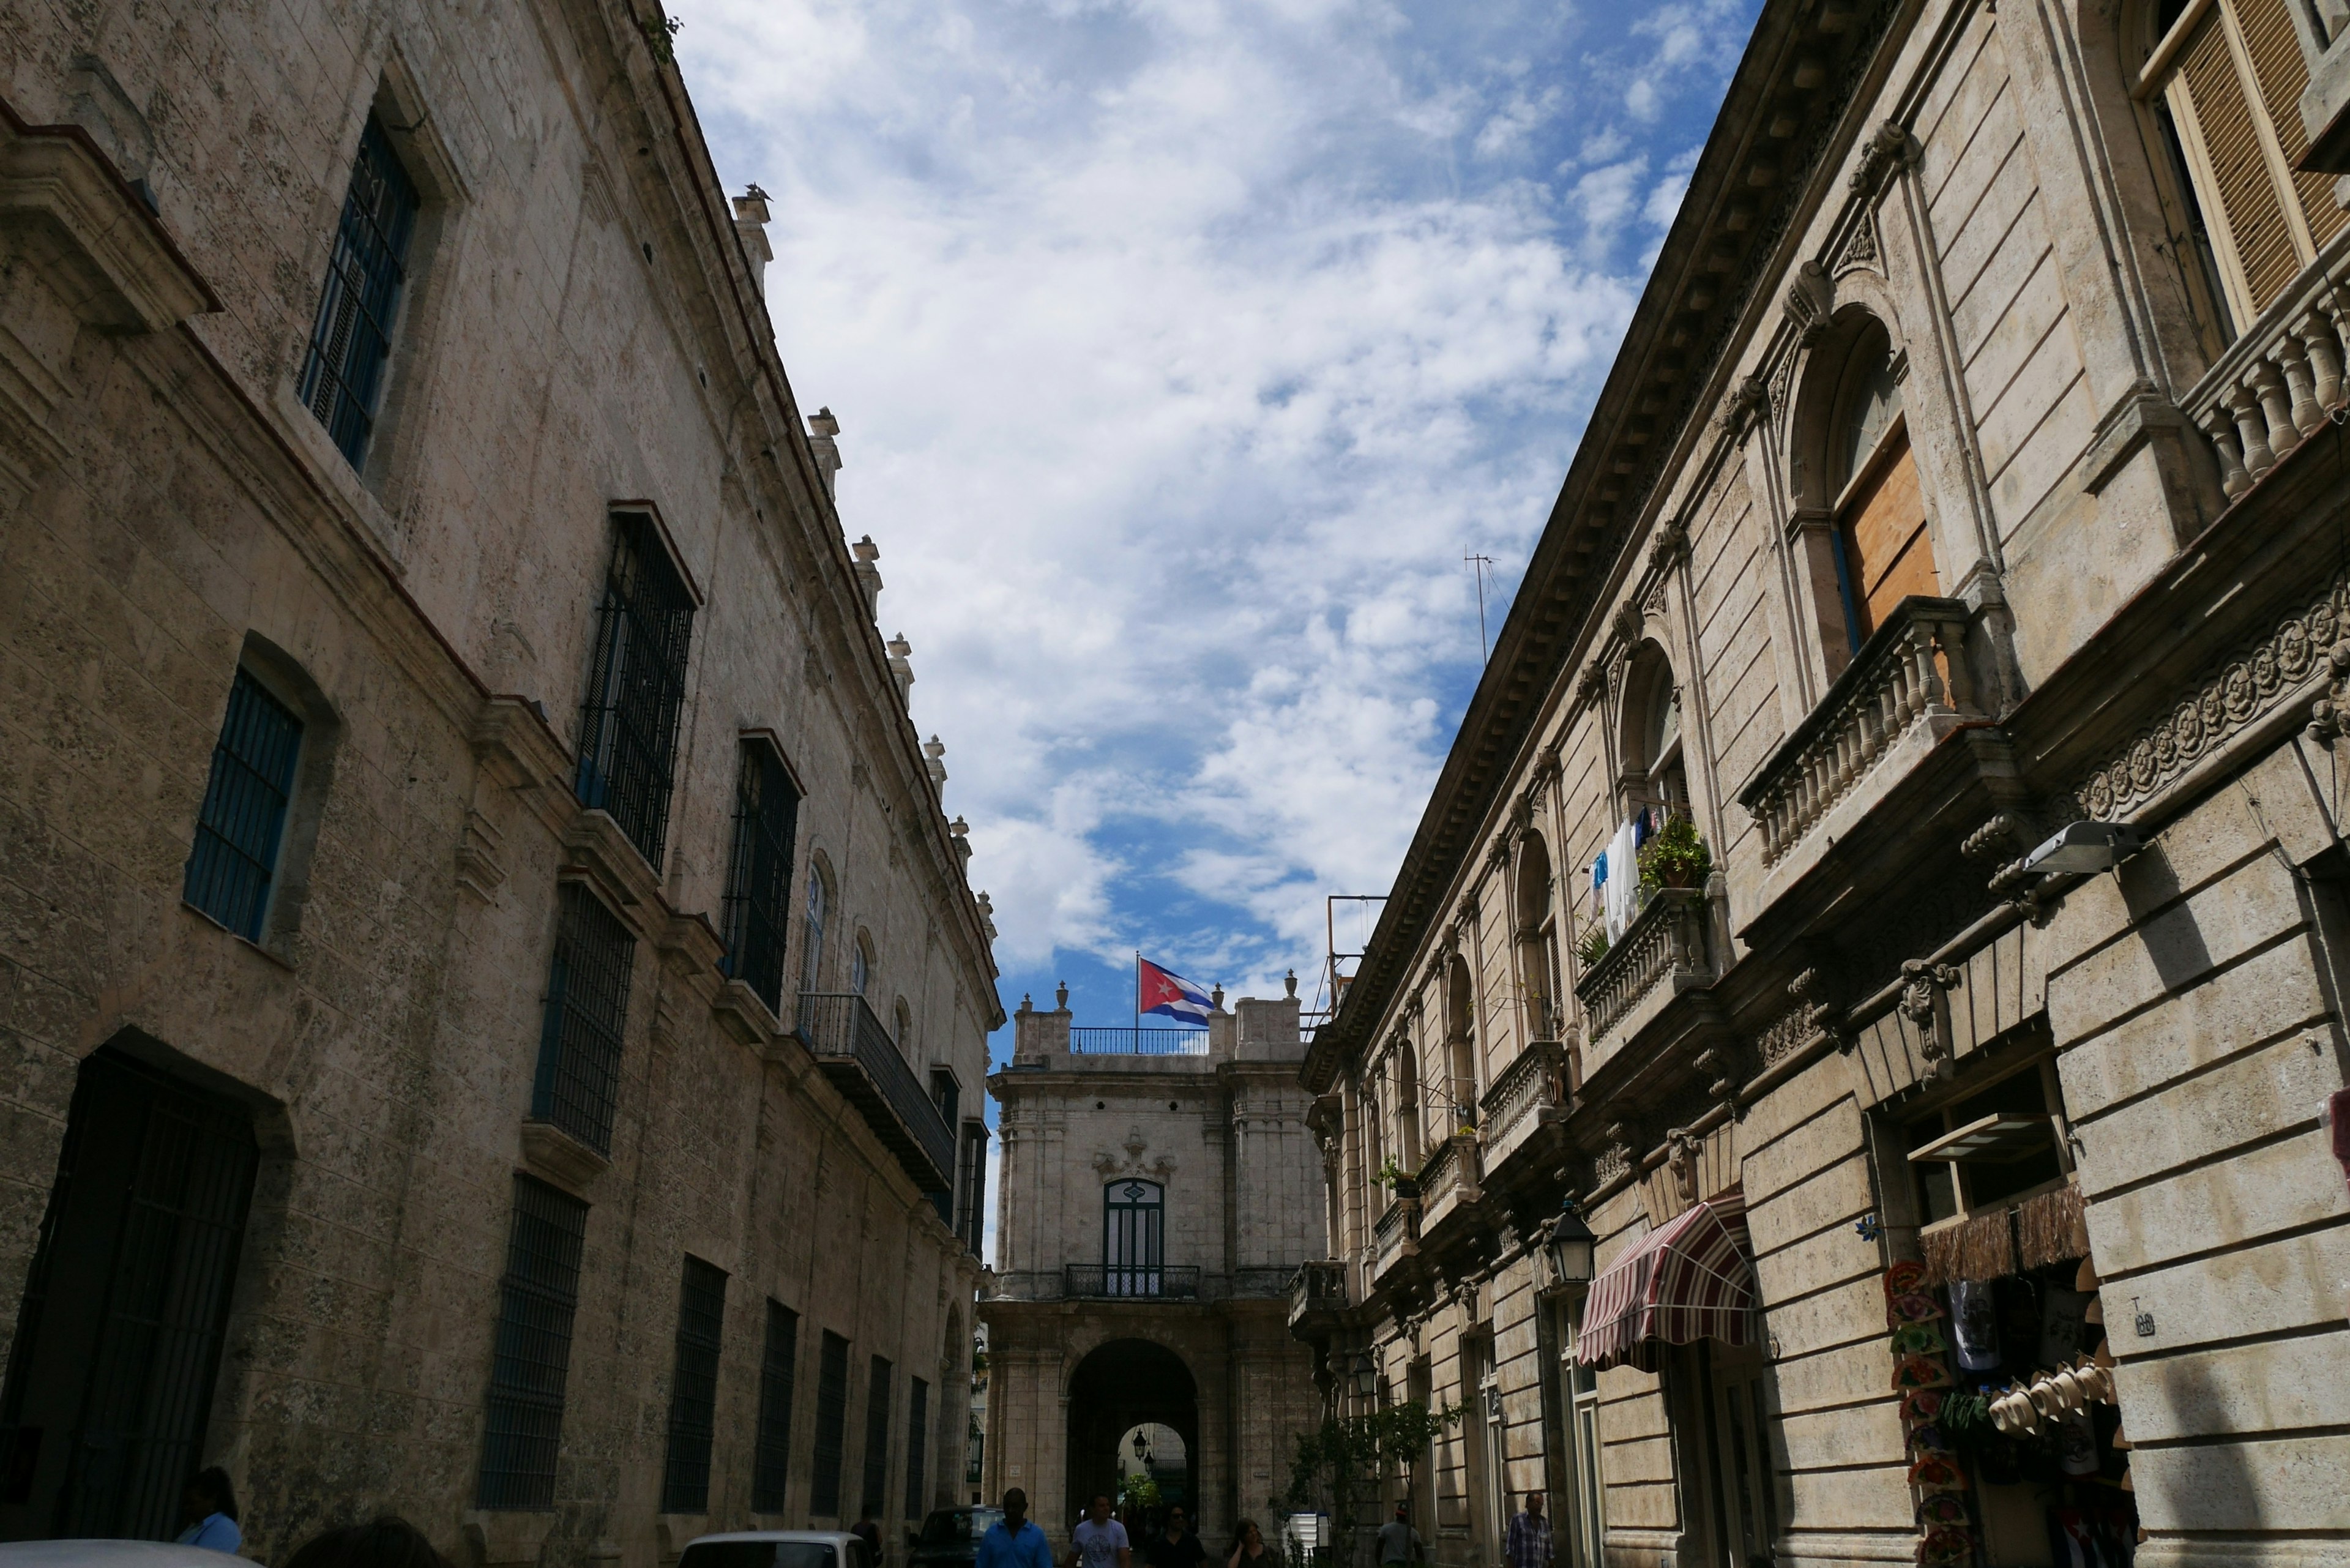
1178, 363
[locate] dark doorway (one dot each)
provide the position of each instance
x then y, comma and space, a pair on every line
1122, 1384
118, 1341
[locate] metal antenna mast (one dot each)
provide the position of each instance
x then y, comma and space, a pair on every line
1478, 564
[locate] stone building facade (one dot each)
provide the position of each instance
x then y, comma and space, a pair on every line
1154, 1204
495, 1016
1967, 482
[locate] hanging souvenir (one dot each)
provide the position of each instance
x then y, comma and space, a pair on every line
2060, 1325
1974, 1325
1942, 1508
1921, 1404
1919, 1372
1912, 1306
1916, 1338
1936, 1473
2076, 1444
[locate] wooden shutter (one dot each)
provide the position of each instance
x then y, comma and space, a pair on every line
2282, 74
2209, 94
1887, 551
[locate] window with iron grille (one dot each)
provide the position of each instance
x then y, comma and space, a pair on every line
342, 377
759, 881
693, 1390
636, 687
771, 1459
918, 1434
532, 1354
831, 1425
241, 823
876, 1443
974, 1184
587, 1002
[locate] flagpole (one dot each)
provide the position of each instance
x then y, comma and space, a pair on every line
1138, 1001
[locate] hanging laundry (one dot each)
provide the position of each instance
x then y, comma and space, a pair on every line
1624, 882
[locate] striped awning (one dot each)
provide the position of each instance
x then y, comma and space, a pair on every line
1691, 1278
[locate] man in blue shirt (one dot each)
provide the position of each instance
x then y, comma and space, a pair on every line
1014, 1541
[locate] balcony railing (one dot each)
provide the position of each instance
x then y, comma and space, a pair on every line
2275, 385
1397, 1234
858, 1055
1319, 1286
1913, 670
1115, 1042
1534, 1083
1120, 1281
1665, 940
1449, 1173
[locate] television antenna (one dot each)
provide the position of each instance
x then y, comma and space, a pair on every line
1480, 565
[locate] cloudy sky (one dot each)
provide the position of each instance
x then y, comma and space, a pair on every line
1183, 349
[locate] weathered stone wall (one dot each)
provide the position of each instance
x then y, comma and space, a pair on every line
581, 328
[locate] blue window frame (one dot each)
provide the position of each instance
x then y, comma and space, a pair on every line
241, 823
580, 1044
342, 376
636, 688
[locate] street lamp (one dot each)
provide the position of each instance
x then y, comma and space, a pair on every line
1570, 1245
1366, 1374
1141, 1445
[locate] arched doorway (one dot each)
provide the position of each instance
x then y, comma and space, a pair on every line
1122, 1384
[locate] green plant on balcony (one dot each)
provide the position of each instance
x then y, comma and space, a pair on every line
1592, 946
1393, 1175
1676, 858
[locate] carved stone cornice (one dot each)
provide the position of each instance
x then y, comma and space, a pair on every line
1890, 149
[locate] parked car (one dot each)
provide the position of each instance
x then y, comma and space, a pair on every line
106, 1553
769, 1549
949, 1536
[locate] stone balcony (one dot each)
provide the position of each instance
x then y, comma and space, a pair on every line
1663, 952
1395, 1239
1531, 1091
2276, 384
1317, 1294
1449, 1181
1911, 683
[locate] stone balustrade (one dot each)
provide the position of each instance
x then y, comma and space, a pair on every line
1396, 1237
1449, 1177
1317, 1289
2279, 381
1665, 940
1913, 670
1535, 1082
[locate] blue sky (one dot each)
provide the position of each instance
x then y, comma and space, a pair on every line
1181, 351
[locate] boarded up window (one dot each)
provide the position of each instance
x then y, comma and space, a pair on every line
1888, 555
2231, 73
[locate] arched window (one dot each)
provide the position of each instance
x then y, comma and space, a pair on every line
1654, 772
1884, 550
2223, 80
1460, 1038
1134, 1233
1407, 1106
1537, 939
904, 1018
861, 964
812, 955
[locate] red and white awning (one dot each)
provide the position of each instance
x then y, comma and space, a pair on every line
1691, 1278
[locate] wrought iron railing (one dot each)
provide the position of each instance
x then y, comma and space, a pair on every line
1319, 1285
1912, 669
1109, 1041
1667, 939
1120, 1281
857, 1053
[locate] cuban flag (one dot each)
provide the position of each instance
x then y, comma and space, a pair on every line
1159, 990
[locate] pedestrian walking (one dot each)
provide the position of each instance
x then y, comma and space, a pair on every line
1399, 1541
208, 1510
386, 1541
1529, 1542
1249, 1550
1173, 1545
869, 1532
1100, 1541
1015, 1541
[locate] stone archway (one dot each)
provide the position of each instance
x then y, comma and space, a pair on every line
1120, 1384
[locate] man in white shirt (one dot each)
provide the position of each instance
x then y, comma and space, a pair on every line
1101, 1539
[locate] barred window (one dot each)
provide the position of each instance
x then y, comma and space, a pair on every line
917, 1432
241, 823
877, 1442
636, 687
831, 1425
587, 1002
759, 880
771, 1460
973, 1181
694, 1391
532, 1354
342, 376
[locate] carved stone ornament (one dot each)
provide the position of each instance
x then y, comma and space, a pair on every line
2329, 713
1921, 983
1890, 149
1860, 248
1686, 1148
2003, 841
1592, 685
2232, 696
1810, 300
1747, 403
1628, 622
1671, 544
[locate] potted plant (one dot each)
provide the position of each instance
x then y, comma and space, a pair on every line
1392, 1175
1592, 946
1676, 858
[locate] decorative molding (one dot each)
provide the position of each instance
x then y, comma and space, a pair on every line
1890, 149
550, 1152
1811, 299
1859, 250
2232, 695
479, 870
1924, 1002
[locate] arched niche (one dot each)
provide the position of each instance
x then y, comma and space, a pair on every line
1535, 931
